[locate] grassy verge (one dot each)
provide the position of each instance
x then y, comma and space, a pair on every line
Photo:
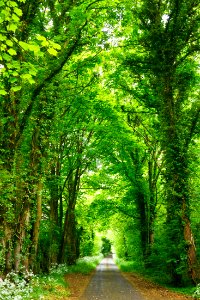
85, 265
156, 277
44, 287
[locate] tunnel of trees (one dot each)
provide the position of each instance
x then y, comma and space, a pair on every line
99, 130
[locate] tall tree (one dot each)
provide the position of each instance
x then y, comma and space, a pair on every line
31, 35
161, 57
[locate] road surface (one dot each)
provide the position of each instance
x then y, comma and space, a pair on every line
108, 284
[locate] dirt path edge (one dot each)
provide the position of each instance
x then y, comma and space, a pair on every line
153, 291
77, 284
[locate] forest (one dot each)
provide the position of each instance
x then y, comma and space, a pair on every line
99, 134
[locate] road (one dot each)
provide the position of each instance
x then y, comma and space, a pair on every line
108, 284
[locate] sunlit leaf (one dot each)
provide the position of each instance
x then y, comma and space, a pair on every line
52, 51
16, 88
3, 92
12, 27
9, 43
18, 11
24, 45
12, 52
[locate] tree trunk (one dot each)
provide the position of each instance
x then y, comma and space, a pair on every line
7, 247
143, 217
176, 175
146, 209
36, 227
20, 250
190, 246
54, 221
152, 206
68, 249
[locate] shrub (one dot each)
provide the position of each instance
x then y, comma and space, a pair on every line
16, 287
196, 294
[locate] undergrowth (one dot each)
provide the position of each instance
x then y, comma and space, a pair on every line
85, 265
156, 277
27, 286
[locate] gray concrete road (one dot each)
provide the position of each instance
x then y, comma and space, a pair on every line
108, 284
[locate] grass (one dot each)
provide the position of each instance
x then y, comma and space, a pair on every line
187, 291
129, 266
52, 286
85, 265
157, 277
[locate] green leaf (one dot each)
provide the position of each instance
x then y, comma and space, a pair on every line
9, 43
12, 79
12, 4
9, 65
6, 57
34, 48
28, 78
31, 81
33, 72
16, 88
2, 37
12, 27
55, 45
15, 18
45, 43
24, 45
12, 52
3, 47
52, 51
15, 74
41, 38
18, 11
3, 92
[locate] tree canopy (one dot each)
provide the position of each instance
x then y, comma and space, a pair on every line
99, 133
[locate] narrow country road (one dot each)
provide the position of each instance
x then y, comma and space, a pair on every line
108, 284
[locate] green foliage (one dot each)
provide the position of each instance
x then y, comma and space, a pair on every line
126, 238
19, 72
28, 286
130, 266
16, 286
156, 277
87, 244
109, 128
106, 246
7, 190
196, 293
85, 265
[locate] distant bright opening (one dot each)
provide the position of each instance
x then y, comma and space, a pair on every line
165, 18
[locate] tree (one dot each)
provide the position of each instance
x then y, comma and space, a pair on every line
116, 110
163, 70
31, 35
